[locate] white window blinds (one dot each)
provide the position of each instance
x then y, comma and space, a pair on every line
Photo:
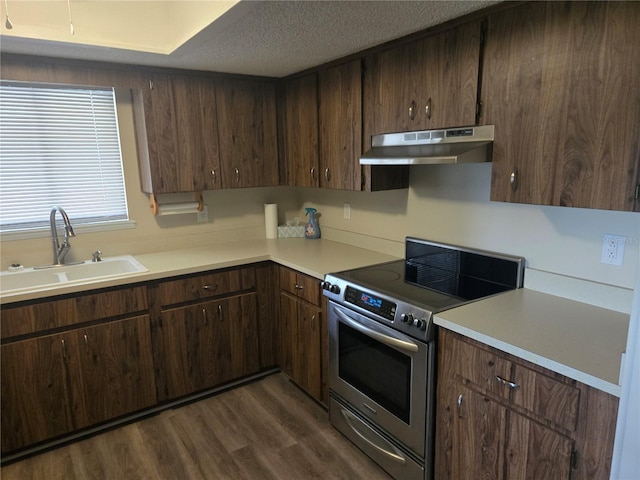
59, 145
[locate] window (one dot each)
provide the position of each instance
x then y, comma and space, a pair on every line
59, 146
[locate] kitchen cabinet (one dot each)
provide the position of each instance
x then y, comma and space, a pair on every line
426, 84
210, 343
303, 332
206, 331
340, 123
560, 83
178, 139
498, 416
57, 383
246, 113
301, 131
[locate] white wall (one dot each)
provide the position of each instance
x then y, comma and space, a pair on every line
450, 203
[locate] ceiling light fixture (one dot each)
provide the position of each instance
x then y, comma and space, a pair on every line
7, 22
70, 20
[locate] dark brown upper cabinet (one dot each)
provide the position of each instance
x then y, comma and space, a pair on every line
560, 83
426, 84
178, 139
246, 113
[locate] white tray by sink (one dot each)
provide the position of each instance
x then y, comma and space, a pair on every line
36, 279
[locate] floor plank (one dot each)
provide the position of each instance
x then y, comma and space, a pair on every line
265, 430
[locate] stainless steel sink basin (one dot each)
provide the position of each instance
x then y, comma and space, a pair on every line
36, 279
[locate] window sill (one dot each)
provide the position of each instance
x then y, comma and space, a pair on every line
86, 228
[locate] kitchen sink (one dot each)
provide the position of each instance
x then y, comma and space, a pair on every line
88, 271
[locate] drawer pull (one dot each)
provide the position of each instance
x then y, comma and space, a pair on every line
459, 405
298, 287
208, 287
507, 382
204, 316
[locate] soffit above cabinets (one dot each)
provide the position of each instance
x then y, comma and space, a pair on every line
269, 38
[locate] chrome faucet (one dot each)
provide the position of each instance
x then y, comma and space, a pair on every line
60, 251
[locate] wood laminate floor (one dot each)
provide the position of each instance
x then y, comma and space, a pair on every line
268, 429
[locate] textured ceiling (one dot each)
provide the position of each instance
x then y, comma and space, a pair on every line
274, 38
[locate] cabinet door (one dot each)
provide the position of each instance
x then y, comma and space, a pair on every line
301, 131
300, 329
307, 359
426, 84
117, 369
197, 166
41, 393
340, 126
534, 451
477, 436
181, 144
246, 112
556, 83
210, 343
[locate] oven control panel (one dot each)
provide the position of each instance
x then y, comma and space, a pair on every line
371, 303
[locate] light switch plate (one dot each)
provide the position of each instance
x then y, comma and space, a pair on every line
612, 249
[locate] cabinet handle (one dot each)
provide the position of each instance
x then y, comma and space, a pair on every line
213, 174
204, 316
459, 405
208, 287
151, 85
327, 174
313, 174
412, 110
86, 339
64, 347
220, 312
513, 179
237, 175
427, 109
298, 287
313, 319
512, 385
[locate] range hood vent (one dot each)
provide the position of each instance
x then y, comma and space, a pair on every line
431, 147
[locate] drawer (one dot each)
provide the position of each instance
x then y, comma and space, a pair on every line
42, 316
546, 397
209, 285
300, 285
480, 367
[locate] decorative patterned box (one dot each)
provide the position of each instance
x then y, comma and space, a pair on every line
291, 231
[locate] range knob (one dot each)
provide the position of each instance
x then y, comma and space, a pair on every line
325, 285
406, 318
420, 324
334, 289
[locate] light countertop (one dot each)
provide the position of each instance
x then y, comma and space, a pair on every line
580, 341
313, 257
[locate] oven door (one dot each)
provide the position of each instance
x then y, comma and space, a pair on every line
381, 373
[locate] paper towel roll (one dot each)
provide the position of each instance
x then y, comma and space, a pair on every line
271, 219
178, 208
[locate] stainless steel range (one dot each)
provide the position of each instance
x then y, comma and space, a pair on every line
382, 348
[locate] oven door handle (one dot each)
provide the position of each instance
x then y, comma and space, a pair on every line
395, 342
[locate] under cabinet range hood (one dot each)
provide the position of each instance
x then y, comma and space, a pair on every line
431, 147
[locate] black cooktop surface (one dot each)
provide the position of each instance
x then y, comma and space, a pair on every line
437, 277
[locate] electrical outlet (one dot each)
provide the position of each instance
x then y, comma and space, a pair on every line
347, 211
612, 250
203, 216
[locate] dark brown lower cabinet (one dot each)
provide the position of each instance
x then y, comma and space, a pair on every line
301, 324
210, 343
500, 417
55, 384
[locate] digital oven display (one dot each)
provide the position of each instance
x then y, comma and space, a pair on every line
379, 306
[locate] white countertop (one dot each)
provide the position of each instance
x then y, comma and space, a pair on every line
575, 339
313, 257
